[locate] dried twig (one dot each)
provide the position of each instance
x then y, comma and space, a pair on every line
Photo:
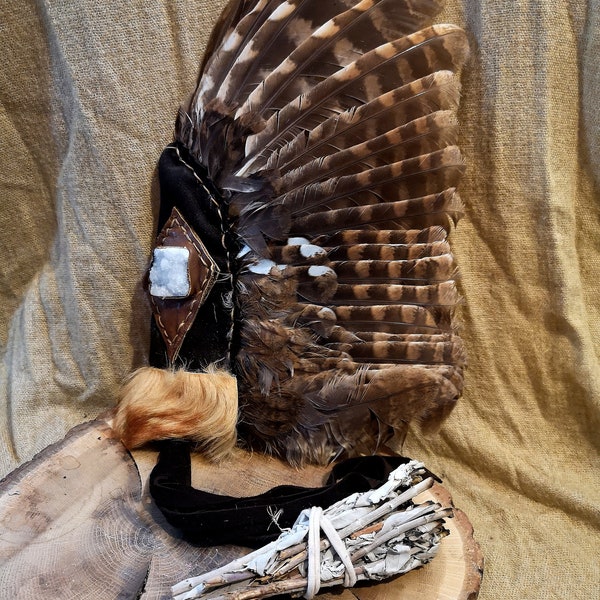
367, 536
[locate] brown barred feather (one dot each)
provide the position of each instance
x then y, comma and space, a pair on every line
420, 137
428, 270
442, 294
402, 61
330, 130
435, 209
337, 37
363, 122
386, 236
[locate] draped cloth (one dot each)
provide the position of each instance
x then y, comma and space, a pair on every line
88, 98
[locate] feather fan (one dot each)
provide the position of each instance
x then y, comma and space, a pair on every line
321, 141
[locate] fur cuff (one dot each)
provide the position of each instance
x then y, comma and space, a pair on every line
157, 404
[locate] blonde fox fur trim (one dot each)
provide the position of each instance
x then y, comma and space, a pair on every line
158, 404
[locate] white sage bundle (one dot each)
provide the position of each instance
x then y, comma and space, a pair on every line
371, 535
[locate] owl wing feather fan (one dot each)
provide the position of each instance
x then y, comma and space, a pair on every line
321, 166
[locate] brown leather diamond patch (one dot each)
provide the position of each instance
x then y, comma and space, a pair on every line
181, 277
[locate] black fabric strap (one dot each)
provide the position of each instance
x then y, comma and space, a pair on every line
210, 519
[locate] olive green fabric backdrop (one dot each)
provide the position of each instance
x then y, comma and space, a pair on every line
89, 93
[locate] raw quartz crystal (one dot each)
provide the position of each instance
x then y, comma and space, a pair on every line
372, 535
168, 275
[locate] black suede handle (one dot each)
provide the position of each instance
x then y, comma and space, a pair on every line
210, 519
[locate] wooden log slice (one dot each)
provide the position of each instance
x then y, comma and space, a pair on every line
77, 522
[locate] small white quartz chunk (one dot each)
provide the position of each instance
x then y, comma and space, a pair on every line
262, 267
169, 276
319, 271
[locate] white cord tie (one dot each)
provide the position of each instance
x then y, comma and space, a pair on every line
319, 522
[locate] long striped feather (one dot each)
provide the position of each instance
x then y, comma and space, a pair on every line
331, 46
438, 91
371, 75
